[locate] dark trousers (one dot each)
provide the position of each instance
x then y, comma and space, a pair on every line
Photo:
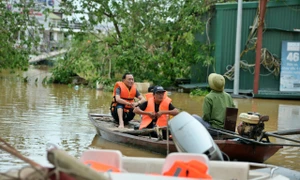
128, 114
206, 125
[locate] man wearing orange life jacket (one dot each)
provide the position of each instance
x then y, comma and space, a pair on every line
156, 109
123, 100
150, 93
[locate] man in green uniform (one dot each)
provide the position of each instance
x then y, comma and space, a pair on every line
215, 103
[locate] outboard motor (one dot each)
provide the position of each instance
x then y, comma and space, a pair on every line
190, 136
252, 125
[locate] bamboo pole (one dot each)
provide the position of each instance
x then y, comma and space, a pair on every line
280, 137
234, 135
10, 149
286, 132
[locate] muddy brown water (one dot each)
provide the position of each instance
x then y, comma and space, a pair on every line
34, 117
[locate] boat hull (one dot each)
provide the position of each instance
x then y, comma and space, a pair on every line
143, 143
236, 150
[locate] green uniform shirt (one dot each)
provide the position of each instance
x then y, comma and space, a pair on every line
214, 108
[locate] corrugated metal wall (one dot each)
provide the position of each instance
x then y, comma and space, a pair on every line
280, 21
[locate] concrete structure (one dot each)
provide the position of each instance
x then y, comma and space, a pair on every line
46, 55
54, 35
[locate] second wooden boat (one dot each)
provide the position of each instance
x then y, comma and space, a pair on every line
232, 148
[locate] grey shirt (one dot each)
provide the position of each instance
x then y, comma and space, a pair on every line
118, 92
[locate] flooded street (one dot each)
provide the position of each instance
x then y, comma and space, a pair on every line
34, 116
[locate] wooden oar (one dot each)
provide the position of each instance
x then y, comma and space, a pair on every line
142, 131
137, 132
286, 132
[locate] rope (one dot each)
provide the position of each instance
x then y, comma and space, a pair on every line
268, 60
17, 174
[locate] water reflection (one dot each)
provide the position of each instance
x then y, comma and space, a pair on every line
288, 118
99, 143
33, 115
290, 112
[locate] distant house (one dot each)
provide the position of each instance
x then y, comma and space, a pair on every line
54, 30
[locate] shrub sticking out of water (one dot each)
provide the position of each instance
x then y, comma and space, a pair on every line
45, 80
25, 79
199, 92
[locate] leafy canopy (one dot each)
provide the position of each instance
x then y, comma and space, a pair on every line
18, 33
155, 40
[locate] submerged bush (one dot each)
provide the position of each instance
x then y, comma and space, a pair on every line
199, 92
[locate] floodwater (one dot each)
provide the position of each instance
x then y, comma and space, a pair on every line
34, 117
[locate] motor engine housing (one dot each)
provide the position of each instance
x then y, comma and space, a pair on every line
252, 125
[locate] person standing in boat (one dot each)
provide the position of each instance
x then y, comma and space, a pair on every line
156, 110
215, 103
123, 100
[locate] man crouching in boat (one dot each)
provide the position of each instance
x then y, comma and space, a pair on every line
123, 100
156, 110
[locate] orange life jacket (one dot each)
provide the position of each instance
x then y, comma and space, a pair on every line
101, 167
163, 119
126, 94
191, 169
148, 95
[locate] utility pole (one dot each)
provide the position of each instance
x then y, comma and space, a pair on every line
237, 49
261, 17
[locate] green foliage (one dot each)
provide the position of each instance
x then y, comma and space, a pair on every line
15, 21
155, 40
45, 80
60, 74
199, 92
87, 58
25, 79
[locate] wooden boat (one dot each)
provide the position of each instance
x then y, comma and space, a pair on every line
233, 148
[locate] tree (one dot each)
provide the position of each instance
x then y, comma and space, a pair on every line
154, 39
18, 29
87, 58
